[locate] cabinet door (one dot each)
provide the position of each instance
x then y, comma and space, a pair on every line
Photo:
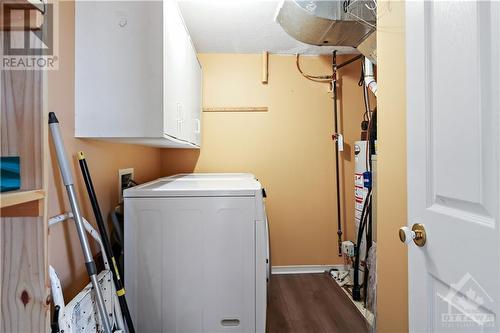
193, 98
175, 59
118, 69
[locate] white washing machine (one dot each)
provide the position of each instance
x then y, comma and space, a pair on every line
215, 176
196, 254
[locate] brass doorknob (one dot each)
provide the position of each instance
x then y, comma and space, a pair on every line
416, 234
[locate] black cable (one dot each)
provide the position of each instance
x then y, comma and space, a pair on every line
372, 135
368, 247
371, 150
356, 290
361, 81
356, 293
346, 5
117, 227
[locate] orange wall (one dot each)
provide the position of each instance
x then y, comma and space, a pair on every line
289, 148
104, 160
392, 265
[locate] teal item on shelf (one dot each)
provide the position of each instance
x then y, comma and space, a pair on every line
10, 173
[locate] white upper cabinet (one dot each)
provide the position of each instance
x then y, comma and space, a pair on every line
137, 76
193, 105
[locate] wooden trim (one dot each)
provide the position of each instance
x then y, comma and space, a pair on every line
237, 109
26, 209
45, 185
8, 199
367, 314
265, 67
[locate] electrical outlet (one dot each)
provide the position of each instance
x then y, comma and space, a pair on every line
124, 177
348, 248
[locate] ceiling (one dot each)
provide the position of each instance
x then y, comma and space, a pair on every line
242, 26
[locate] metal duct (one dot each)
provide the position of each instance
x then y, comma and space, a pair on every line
332, 23
368, 47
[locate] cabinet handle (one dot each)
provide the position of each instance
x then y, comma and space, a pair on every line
180, 117
180, 114
198, 126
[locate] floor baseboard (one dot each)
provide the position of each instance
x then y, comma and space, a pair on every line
304, 269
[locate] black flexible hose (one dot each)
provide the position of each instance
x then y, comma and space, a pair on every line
117, 227
368, 247
356, 289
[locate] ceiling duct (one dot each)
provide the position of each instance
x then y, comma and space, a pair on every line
368, 47
328, 23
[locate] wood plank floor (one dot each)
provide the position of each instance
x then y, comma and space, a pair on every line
303, 303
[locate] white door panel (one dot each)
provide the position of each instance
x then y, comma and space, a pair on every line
195, 96
193, 92
453, 164
118, 69
190, 263
175, 47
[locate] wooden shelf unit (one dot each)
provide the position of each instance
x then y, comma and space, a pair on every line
22, 204
24, 286
8, 199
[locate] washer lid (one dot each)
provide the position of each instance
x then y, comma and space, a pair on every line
211, 175
179, 186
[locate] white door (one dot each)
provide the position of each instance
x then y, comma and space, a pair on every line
454, 164
194, 93
175, 63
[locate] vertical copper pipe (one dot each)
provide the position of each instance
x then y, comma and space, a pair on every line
337, 153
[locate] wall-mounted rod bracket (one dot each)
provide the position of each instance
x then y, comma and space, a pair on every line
265, 67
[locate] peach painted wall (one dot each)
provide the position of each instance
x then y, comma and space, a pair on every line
289, 148
392, 265
104, 160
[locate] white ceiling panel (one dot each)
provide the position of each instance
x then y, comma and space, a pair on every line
242, 26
